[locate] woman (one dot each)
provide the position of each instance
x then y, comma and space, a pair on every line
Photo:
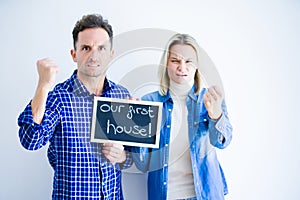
194, 121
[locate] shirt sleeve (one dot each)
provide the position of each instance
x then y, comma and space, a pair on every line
33, 136
220, 131
128, 162
141, 158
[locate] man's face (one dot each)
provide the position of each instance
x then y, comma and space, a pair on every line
93, 53
182, 63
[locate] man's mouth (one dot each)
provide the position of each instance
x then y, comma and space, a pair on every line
93, 65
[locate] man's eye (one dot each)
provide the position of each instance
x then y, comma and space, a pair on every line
174, 61
85, 48
102, 48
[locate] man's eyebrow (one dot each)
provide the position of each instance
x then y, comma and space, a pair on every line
84, 45
88, 45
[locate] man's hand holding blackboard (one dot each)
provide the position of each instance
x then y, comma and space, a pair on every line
114, 152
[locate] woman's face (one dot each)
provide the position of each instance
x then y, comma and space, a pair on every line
182, 63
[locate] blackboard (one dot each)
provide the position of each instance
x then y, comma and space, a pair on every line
128, 122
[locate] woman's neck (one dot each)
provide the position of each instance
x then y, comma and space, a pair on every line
180, 89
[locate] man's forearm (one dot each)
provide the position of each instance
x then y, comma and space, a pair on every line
38, 104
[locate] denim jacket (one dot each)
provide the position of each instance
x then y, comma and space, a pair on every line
204, 134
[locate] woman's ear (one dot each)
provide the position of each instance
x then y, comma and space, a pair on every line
73, 54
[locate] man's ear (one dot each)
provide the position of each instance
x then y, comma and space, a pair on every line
73, 54
112, 53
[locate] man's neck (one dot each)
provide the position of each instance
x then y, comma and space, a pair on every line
93, 84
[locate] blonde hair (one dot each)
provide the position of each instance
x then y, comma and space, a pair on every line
183, 39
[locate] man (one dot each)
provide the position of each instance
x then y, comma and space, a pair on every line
82, 170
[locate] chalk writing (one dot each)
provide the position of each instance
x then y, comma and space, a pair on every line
135, 123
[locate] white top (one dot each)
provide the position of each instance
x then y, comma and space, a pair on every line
180, 177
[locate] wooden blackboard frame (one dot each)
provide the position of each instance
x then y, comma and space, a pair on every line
119, 105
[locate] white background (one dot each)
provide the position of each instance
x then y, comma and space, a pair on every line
254, 45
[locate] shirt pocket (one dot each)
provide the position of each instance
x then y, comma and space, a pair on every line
202, 125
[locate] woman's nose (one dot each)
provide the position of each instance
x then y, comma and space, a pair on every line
182, 65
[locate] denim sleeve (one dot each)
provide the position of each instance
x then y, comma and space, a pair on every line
141, 155
141, 158
220, 128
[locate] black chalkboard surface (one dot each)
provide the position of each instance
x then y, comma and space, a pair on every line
129, 122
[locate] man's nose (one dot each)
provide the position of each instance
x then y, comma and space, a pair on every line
95, 55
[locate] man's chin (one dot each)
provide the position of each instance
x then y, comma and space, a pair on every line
91, 74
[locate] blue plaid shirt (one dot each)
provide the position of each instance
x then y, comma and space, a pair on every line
80, 169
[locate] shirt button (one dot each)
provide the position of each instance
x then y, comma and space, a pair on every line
165, 165
165, 183
170, 109
168, 126
166, 145
205, 119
